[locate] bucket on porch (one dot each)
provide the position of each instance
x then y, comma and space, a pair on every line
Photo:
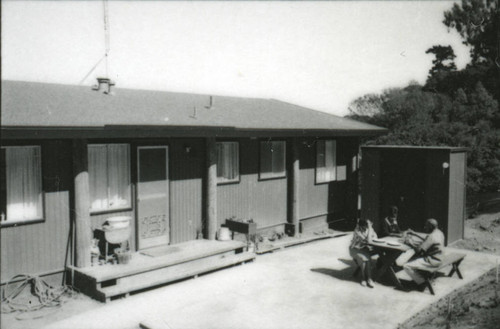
118, 222
117, 229
224, 234
123, 256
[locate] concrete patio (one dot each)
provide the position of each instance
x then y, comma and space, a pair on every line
307, 286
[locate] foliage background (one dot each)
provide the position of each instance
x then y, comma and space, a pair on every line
455, 107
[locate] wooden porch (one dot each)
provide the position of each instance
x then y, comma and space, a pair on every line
157, 266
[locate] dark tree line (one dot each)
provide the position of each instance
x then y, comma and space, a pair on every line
454, 107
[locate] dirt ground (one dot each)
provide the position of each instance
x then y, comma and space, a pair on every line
476, 305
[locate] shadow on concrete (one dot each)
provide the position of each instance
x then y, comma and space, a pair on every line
348, 261
349, 273
346, 274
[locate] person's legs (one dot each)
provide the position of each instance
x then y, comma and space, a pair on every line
366, 267
412, 272
405, 257
362, 258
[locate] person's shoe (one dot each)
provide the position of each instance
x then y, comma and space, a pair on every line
363, 283
370, 283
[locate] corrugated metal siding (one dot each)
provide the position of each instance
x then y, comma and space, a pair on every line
41, 248
186, 189
264, 201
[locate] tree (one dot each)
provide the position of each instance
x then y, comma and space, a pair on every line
477, 22
442, 64
455, 107
418, 117
365, 106
444, 60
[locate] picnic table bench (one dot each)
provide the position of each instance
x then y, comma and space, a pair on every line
449, 258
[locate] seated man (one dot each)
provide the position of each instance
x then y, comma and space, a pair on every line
429, 252
390, 224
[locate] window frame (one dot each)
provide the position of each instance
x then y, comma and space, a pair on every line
34, 220
316, 171
220, 179
108, 210
273, 175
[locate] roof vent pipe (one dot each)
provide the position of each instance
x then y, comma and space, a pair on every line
211, 104
107, 85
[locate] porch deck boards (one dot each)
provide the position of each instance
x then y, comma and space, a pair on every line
180, 261
180, 253
174, 273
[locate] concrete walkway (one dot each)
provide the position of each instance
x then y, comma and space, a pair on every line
307, 286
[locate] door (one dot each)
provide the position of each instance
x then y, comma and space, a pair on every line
152, 196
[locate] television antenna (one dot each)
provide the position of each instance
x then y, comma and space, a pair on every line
106, 44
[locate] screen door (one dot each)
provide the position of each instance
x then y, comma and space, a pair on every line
152, 196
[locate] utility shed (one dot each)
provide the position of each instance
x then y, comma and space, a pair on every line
423, 182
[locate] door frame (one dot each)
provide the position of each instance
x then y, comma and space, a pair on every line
167, 198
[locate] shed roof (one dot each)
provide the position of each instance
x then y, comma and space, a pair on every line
32, 105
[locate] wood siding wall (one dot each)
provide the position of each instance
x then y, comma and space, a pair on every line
457, 196
334, 200
436, 191
265, 201
186, 188
370, 187
42, 247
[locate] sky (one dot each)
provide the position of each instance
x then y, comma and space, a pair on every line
321, 55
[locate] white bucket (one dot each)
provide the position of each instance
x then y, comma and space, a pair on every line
119, 222
224, 234
117, 235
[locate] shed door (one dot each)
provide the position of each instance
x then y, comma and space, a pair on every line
152, 196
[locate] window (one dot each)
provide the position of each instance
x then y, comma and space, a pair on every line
272, 159
228, 170
326, 158
21, 188
109, 177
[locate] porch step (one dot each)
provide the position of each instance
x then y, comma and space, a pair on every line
132, 283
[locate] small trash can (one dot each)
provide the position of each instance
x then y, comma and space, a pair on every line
224, 234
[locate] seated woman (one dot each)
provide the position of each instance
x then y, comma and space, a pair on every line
390, 224
360, 251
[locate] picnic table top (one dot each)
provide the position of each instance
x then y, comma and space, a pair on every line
390, 242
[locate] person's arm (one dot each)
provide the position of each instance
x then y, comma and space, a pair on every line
398, 229
385, 227
428, 242
371, 232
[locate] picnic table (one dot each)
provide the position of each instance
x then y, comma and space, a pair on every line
390, 248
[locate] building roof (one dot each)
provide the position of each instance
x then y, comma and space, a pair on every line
44, 106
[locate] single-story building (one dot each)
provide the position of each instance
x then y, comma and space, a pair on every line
177, 164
